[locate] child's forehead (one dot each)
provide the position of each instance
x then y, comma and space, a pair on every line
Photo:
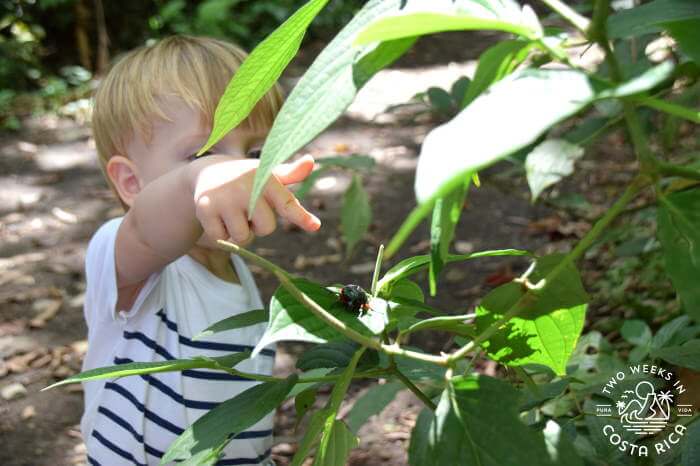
177, 121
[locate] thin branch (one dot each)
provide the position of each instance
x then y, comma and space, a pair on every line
572, 16
318, 311
416, 391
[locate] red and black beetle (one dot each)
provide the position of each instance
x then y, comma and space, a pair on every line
354, 298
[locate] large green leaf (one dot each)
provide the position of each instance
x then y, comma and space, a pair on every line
415, 264
313, 430
687, 34
513, 114
651, 16
326, 89
549, 162
691, 446
372, 402
495, 63
138, 368
546, 328
421, 18
260, 70
687, 355
454, 324
679, 233
355, 215
245, 319
211, 432
446, 215
473, 413
335, 441
334, 354
291, 320
335, 445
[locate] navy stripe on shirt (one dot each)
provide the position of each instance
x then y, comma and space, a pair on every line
157, 453
168, 425
196, 374
124, 454
93, 461
148, 414
208, 344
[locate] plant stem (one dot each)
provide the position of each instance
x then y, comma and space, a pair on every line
416, 391
377, 269
670, 169
286, 282
585, 243
324, 315
565, 11
670, 108
375, 373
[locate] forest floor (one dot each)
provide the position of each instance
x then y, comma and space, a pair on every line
53, 198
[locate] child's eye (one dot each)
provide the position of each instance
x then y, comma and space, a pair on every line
254, 153
192, 157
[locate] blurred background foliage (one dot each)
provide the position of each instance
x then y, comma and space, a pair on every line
51, 49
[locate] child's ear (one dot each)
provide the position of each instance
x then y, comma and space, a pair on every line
124, 176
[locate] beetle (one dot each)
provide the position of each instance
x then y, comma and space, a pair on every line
354, 298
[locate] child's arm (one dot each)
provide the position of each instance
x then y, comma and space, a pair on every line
209, 195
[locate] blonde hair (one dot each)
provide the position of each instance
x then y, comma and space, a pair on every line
195, 69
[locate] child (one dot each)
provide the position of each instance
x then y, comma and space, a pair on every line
155, 277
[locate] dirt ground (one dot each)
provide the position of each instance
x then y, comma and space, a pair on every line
53, 197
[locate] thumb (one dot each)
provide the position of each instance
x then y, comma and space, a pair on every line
296, 171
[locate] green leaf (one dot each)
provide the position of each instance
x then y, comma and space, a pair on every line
309, 182
372, 402
245, 319
336, 445
636, 332
455, 324
645, 81
138, 368
679, 234
336, 440
549, 162
259, 72
421, 18
326, 89
668, 331
216, 428
473, 411
334, 354
405, 288
415, 264
691, 447
440, 99
650, 17
545, 392
687, 34
446, 215
546, 329
687, 355
356, 214
476, 138
303, 402
313, 430
353, 162
291, 320
497, 62
459, 89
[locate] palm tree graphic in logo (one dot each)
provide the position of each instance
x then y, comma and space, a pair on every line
644, 411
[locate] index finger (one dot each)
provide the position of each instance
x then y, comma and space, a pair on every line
289, 207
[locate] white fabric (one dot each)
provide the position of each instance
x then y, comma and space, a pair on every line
134, 419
